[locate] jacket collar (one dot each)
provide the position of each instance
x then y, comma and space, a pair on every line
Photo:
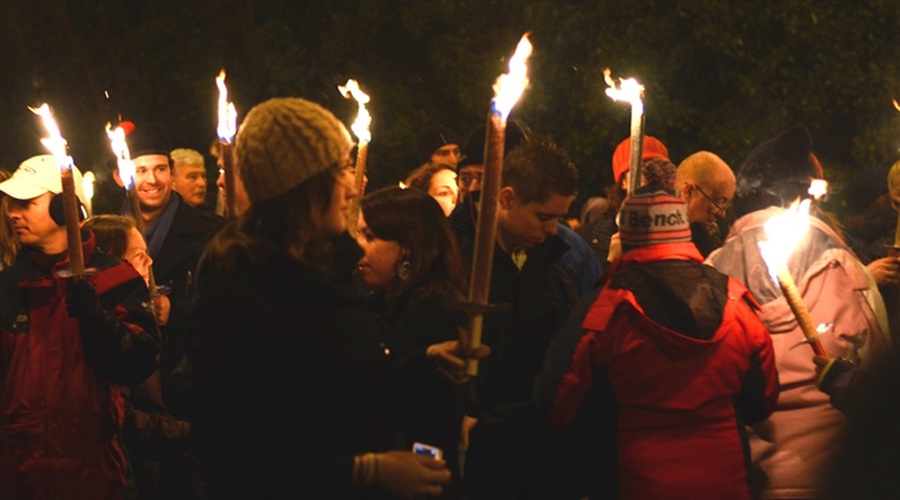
27, 270
650, 253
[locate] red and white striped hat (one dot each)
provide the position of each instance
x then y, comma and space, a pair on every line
653, 215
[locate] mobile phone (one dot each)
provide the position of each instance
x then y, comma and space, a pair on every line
427, 450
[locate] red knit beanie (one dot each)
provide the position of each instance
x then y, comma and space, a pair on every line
621, 159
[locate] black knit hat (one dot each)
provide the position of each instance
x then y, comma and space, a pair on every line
776, 172
147, 139
432, 138
473, 152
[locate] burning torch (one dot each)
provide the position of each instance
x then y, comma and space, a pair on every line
360, 127
783, 233
127, 173
226, 129
57, 146
631, 91
507, 90
88, 180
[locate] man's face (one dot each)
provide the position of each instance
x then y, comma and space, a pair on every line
469, 180
32, 222
528, 225
153, 180
448, 154
190, 183
705, 203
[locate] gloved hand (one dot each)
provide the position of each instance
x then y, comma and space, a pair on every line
828, 370
82, 300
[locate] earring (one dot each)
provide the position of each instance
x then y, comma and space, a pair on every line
403, 270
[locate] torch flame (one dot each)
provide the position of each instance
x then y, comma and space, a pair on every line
55, 141
783, 233
626, 90
123, 156
227, 112
509, 87
818, 188
87, 184
896, 104
360, 127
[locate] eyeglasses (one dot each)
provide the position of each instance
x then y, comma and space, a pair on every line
722, 206
467, 179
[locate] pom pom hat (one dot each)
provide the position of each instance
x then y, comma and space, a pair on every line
146, 139
653, 215
285, 141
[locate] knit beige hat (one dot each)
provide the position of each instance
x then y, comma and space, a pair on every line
285, 141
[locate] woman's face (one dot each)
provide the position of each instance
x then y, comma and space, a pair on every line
378, 267
335, 220
443, 188
136, 254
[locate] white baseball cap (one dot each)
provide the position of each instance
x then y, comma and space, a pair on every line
38, 175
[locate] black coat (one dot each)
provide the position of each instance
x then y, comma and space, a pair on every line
511, 454
175, 266
291, 381
428, 407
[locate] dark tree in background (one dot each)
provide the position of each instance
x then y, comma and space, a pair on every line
719, 75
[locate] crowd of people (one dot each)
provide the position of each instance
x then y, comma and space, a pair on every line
316, 342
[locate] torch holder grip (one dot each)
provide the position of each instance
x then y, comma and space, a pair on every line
801, 313
471, 339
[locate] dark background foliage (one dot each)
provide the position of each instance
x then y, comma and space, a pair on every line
720, 76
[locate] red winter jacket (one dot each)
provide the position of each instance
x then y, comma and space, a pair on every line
59, 417
688, 362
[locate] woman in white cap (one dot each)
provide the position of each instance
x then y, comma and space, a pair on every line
292, 390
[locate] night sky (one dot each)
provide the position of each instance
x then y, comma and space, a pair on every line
718, 77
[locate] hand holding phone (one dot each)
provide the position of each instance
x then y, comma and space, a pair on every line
427, 450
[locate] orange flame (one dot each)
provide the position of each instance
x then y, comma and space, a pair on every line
360, 126
55, 142
123, 156
227, 113
626, 90
783, 233
896, 104
509, 86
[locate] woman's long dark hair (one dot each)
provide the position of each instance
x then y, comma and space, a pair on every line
416, 222
292, 222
